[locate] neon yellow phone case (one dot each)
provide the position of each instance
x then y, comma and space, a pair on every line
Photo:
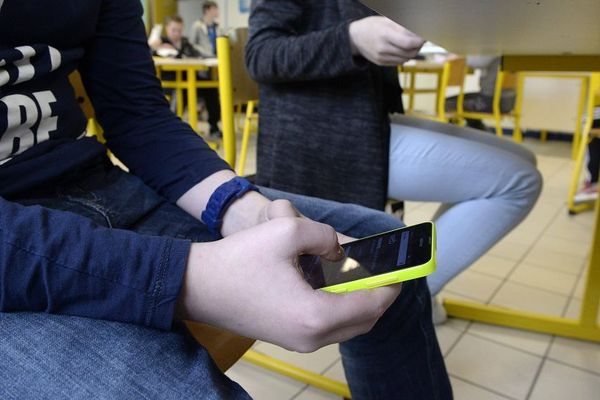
390, 278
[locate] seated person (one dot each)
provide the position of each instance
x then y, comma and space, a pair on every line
206, 30
589, 191
175, 45
328, 83
98, 267
483, 100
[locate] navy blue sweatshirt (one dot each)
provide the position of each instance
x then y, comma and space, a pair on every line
57, 262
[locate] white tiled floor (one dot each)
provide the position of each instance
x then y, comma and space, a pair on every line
538, 267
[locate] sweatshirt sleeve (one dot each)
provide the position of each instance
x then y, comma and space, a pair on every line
276, 52
58, 262
118, 74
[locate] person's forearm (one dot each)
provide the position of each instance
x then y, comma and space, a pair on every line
61, 263
241, 214
277, 52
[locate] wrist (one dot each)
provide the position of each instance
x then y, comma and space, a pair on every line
187, 302
244, 213
222, 199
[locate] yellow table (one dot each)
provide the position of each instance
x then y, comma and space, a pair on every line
189, 66
586, 327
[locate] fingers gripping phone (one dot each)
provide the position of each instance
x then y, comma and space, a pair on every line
383, 259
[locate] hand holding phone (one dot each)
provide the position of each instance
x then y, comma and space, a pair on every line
379, 260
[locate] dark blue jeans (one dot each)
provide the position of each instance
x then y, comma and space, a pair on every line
54, 356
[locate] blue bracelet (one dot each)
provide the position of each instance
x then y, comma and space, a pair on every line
221, 199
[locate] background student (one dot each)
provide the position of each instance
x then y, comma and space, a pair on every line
206, 30
174, 44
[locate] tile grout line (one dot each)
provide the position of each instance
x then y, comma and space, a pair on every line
509, 346
458, 339
565, 364
539, 370
323, 372
523, 284
553, 339
505, 279
483, 387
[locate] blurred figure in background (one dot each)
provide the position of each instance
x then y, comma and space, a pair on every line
175, 45
206, 30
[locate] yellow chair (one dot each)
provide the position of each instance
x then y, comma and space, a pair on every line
593, 100
449, 74
504, 81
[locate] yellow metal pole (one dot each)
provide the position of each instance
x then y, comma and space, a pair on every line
226, 98
496, 105
192, 98
179, 93
441, 93
583, 97
517, 134
289, 370
411, 94
246, 137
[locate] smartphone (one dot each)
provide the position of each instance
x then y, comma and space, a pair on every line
383, 259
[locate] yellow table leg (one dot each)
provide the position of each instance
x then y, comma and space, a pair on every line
583, 98
179, 93
246, 137
226, 98
517, 134
192, 98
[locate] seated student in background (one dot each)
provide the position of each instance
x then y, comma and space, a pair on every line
325, 129
483, 101
98, 266
206, 30
175, 45
589, 191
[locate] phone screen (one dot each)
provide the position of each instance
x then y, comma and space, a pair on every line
376, 255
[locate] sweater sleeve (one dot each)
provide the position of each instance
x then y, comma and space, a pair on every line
276, 52
118, 74
58, 262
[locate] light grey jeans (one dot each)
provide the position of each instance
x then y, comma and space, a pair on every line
487, 186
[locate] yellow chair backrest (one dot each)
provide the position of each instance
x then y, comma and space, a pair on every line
244, 88
458, 69
510, 80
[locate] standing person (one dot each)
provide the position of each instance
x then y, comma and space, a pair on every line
483, 101
206, 30
181, 47
98, 266
328, 81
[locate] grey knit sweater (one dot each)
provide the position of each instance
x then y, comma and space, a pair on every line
324, 126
